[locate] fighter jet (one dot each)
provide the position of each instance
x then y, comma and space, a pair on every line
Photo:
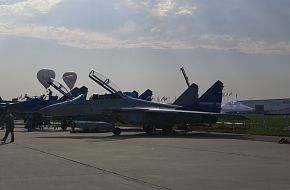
151, 115
4, 104
33, 104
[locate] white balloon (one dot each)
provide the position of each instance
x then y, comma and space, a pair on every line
70, 79
44, 75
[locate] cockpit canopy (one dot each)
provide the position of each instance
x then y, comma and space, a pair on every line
107, 84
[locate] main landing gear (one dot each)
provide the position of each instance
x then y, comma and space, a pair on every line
117, 131
64, 124
148, 129
168, 130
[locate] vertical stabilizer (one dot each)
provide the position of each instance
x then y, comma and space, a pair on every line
80, 91
188, 97
210, 101
76, 92
147, 95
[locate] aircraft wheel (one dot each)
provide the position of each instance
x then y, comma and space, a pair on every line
167, 130
117, 131
72, 125
148, 128
64, 125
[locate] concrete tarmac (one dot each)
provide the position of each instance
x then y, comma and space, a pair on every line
62, 160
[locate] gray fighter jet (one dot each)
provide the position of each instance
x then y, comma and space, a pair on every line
119, 108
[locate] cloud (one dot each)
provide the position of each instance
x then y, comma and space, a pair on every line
155, 30
78, 38
243, 45
186, 10
73, 38
153, 33
162, 8
29, 8
262, 47
153, 7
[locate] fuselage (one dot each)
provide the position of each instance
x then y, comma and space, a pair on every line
100, 106
126, 110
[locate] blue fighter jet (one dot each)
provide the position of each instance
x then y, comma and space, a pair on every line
33, 104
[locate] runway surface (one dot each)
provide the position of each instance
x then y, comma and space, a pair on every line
134, 160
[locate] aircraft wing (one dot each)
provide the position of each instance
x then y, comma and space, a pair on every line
164, 111
175, 111
162, 116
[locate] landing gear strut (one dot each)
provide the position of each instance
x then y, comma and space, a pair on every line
148, 128
64, 125
167, 130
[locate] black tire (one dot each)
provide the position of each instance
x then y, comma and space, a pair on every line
72, 125
167, 130
64, 125
148, 129
117, 131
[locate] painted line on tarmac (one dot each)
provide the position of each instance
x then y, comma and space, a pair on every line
152, 185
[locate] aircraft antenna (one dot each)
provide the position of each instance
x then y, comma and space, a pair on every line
185, 76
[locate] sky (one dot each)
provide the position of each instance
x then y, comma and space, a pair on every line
141, 44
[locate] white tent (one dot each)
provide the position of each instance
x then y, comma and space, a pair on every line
236, 107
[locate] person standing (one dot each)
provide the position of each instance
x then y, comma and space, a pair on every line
49, 94
9, 128
1, 122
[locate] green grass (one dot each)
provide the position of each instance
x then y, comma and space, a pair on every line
257, 124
